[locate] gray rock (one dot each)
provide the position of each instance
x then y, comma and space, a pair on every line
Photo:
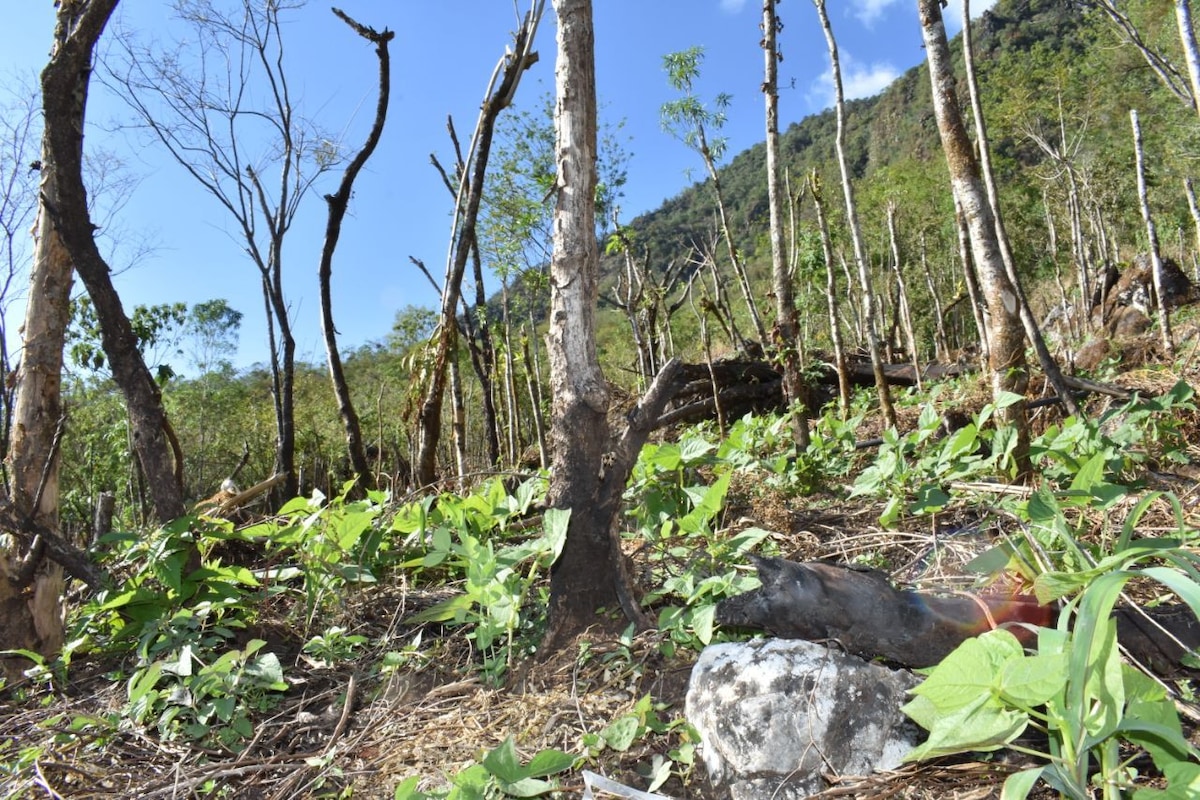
775, 714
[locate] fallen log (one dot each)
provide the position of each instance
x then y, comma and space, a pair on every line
860, 611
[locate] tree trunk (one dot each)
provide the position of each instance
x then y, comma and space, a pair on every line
902, 309
831, 300
1024, 312
860, 255
584, 579
1187, 38
517, 60
786, 333
338, 202
590, 575
1007, 338
1164, 317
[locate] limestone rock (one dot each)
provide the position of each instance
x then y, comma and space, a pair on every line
775, 714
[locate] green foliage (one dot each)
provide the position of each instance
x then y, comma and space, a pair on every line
688, 118
462, 540
676, 493
1074, 689
499, 774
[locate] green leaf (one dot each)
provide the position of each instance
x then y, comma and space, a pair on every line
1090, 475
1183, 783
527, 787
548, 762
1031, 681
982, 725
969, 672
407, 790
445, 611
702, 622
622, 733
554, 527
504, 763
1018, 785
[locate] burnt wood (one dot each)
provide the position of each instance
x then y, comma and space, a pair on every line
860, 611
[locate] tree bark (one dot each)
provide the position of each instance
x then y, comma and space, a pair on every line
1164, 317
590, 575
338, 203
1024, 312
429, 417
860, 254
1006, 340
785, 338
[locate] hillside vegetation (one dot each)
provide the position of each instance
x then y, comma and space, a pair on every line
385, 642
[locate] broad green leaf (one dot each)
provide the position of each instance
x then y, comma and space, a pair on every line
407, 790
702, 622
554, 526
1183, 783
504, 763
527, 787
979, 726
1031, 681
548, 762
1090, 474
1018, 785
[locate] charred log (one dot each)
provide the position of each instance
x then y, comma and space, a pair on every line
860, 611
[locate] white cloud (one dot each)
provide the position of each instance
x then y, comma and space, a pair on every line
858, 80
734, 6
868, 11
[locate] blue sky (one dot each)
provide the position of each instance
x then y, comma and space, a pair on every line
442, 57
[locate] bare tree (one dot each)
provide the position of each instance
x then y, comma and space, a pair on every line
338, 203
501, 89
856, 237
199, 101
785, 336
1024, 311
590, 573
30, 585
1006, 337
1187, 38
1164, 318
18, 205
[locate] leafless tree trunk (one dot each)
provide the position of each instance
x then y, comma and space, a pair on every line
514, 63
30, 586
1164, 318
18, 206
860, 254
1025, 313
831, 298
1006, 336
902, 310
338, 203
978, 307
942, 344
1187, 37
590, 574
1194, 208
1159, 64
785, 336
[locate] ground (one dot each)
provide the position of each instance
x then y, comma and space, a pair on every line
351, 729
